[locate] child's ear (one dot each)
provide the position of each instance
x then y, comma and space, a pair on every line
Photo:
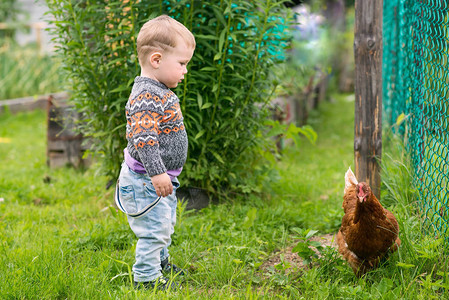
155, 59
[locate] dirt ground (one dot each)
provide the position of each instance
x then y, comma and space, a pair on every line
327, 240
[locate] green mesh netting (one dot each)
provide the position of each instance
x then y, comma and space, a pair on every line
416, 83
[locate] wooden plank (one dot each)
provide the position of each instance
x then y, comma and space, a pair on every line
368, 92
30, 103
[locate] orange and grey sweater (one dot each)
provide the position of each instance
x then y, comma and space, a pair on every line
155, 130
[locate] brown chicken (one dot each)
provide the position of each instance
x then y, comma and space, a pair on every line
368, 232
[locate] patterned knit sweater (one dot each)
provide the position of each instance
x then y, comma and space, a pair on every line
155, 130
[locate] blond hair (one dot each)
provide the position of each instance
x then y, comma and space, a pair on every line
161, 34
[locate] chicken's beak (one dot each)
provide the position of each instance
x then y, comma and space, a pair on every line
361, 199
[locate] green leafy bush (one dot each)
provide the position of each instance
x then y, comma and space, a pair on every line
224, 96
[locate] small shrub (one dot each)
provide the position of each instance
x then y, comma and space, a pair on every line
224, 96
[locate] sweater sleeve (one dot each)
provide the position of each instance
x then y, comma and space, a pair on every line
144, 114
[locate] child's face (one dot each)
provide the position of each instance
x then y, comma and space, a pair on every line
173, 64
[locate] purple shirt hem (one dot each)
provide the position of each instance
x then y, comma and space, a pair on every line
138, 167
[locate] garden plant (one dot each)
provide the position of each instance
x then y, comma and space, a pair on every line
224, 98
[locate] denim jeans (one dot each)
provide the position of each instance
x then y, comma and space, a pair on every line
152, 229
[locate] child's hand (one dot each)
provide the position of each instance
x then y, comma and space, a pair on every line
162, 184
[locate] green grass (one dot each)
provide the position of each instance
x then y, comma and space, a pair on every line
24, 71
60, 238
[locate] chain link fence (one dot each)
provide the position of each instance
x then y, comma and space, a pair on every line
416, 86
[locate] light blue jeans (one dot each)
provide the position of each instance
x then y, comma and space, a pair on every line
153, 229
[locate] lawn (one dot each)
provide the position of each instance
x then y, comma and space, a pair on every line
61, 237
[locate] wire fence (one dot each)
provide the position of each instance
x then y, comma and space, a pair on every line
416, 85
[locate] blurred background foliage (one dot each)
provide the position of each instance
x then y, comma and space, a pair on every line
9, 10
26, 71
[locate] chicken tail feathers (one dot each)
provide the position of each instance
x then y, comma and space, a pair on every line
350, 179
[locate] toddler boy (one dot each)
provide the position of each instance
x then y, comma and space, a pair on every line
157, 148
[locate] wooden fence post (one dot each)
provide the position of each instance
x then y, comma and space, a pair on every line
368, 92
65, 146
